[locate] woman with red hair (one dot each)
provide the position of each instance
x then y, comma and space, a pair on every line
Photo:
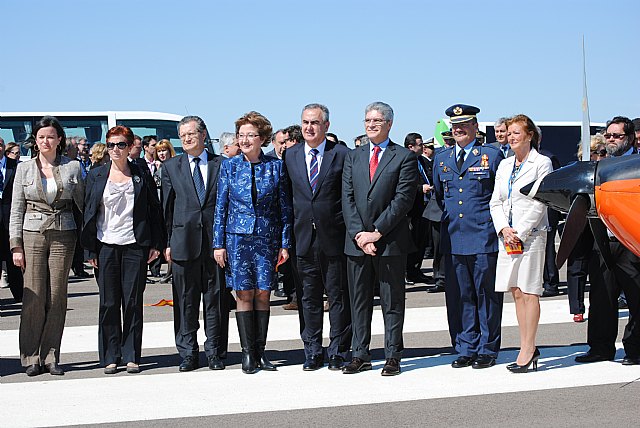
123, 233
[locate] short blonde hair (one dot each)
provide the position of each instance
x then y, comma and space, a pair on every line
98, 151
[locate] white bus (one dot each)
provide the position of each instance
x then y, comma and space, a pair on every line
18, 126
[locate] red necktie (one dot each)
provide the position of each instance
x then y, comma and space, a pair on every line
373, 163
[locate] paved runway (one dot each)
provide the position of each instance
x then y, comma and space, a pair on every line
427, 393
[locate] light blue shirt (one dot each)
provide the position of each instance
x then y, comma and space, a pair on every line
467, 149
383, 147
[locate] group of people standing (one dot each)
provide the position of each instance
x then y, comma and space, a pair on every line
341, 215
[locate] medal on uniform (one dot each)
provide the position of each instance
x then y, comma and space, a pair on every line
475, 152
485, 161
445, 169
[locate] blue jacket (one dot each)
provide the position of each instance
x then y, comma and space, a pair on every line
235, 212
467, 227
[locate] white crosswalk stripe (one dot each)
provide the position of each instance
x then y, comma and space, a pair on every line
82, 401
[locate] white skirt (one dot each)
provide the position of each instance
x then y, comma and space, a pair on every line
524, 271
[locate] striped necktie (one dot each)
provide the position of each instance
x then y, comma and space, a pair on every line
198, 181
313, 169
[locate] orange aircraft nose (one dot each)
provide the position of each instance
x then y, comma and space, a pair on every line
618, 204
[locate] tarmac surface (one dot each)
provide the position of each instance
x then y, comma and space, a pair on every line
427, 393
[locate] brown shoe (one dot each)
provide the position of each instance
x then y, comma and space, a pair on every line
356, 365
391, 367
293, 306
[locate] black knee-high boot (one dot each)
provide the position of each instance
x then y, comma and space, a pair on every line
262, 325
246, 330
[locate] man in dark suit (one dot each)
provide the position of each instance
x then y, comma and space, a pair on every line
419, 225
463, 178
315, 171
189, 184
378, 190
501, 143
608, 281
14, 273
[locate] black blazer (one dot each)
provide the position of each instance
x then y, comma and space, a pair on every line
382, 203
321, 210
189, 226
7, 193
147, 215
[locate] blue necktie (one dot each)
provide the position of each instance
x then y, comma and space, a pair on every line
198, 181
313, 169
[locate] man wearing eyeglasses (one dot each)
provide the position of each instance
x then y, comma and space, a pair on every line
379, 184
606, 284
189, 185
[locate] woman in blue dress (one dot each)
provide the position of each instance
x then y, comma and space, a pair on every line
251, 233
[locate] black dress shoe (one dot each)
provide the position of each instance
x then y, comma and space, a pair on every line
312, 363
391, 367
215, 363
590, 357
54, 369
462, 361
419, 278
33, 370
80, 273
436, 289
280, 293
356, 365
336, 362
189, 363
484, 362
630, 361
550, 292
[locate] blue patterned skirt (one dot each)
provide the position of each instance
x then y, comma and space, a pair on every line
251, 262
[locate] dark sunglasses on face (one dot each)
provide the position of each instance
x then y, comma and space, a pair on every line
121, 145
601, 152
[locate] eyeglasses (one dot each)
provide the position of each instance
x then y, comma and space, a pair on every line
601, 152
122, 145
248, 136
614, 136
188, 135
376, 122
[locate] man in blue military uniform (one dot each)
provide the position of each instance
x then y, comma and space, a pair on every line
463, 178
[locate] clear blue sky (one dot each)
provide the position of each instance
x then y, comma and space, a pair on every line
220, 59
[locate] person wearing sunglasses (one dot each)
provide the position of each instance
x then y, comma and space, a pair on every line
607, 282
122, 233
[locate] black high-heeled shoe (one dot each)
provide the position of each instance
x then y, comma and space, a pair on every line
515, 368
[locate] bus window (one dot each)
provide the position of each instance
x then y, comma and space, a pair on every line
16, 129
163, 129
93, 129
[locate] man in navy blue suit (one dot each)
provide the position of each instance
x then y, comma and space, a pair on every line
463, 178
315, 171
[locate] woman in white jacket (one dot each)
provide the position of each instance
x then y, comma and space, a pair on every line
521, 224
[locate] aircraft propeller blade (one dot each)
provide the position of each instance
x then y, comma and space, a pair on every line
573, 227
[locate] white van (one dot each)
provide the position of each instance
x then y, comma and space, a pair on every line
17, 126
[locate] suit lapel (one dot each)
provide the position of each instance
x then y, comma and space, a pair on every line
327, 159
299, 165
527, 165
185, 170
473, 157
212, 161
137, 180
387, 155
